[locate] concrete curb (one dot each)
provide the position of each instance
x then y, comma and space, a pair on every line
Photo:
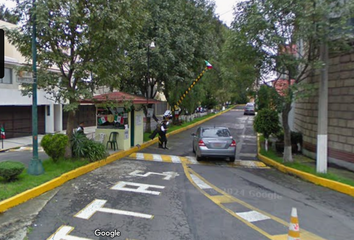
8, 149
35, 192
337, 186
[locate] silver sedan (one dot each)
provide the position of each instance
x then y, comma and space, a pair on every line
214, 142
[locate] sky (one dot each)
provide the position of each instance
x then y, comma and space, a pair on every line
224, 8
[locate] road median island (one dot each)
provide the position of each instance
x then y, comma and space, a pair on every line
58, 181
334, 185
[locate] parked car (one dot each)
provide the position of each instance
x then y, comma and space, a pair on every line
249, 109
214, 142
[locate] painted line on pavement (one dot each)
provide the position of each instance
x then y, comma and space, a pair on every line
199, 182
254, 215
63, 234
142, 188
192, 160
97, 206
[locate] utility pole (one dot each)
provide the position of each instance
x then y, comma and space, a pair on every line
35, 167
322, 119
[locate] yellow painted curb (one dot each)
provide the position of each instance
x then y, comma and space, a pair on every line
36, 191
337, 186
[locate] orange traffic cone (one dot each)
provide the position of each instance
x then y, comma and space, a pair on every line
294, 229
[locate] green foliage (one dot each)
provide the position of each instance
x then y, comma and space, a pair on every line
266, 122
8, 15
9, 170
27, 181
268, 98
83, 147
296, 137
54, 145
95, 151
85, 40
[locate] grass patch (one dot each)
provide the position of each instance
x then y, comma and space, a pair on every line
305, 164
26, 181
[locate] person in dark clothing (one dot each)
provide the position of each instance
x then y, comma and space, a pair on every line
163, 135
80, 129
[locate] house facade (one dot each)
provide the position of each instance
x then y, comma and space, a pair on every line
16, 109
340, 113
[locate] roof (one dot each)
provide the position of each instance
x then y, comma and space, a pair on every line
120, 97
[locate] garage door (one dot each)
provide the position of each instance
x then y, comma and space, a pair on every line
18, 120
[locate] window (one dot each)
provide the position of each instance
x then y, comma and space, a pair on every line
7, 77
216, 132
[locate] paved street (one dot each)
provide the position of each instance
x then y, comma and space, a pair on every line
167, 194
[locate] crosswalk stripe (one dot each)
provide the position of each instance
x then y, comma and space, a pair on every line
192, 160
175, 159
157, 157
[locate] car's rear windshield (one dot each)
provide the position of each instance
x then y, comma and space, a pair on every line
215, 132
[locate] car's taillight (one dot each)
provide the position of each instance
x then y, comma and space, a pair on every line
233, 144
201, 143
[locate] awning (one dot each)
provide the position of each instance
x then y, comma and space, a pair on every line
120, 97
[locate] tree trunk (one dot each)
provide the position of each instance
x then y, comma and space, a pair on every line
287, 135
266, 145
69, 133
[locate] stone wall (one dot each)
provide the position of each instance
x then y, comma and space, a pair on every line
340, 113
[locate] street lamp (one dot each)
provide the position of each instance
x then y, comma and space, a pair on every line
152, 46
35, 167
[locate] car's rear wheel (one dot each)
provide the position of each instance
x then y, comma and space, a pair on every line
198, 158
232, 159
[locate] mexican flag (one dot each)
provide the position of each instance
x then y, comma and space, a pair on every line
2, 133
209, 66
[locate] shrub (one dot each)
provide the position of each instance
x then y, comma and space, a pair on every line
94, 150
9, 170
78, 141
83, 147
296, 137
266, 122
54, 145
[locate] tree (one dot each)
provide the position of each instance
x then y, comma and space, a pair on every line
267, 123
81, 39
185, 34
268, 98
8, 15
288, 34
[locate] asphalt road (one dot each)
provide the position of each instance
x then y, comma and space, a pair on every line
165, 194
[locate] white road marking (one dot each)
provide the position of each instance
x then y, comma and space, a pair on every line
140, 156
142, 188
63, 234
200, 183
168, 175
157, 157
97, 206
253, 216
175, 159
192, 160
